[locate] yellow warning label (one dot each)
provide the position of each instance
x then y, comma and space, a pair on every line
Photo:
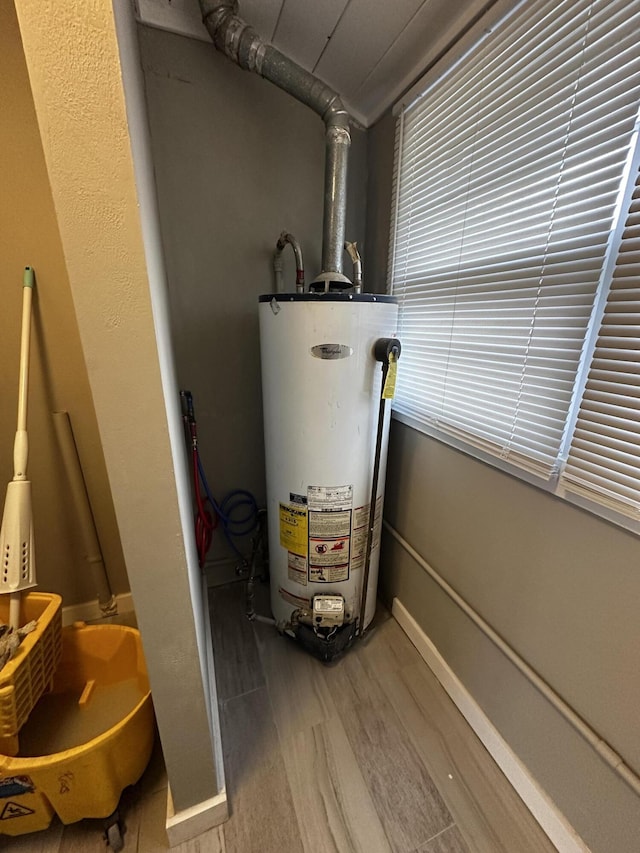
15, 810
389, 390
293, 528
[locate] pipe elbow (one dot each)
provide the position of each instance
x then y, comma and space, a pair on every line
336, 115
216, 14
231, 35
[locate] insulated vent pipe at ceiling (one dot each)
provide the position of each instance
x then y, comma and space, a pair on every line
237, 40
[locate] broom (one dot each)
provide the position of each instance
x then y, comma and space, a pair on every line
17, 569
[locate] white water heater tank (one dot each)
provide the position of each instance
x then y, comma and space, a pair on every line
321, 387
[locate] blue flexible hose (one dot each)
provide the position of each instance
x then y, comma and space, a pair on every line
230, 503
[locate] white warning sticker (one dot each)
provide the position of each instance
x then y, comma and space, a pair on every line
360, 533
297, 566
330, 497
329, 524
329, 574
329, 530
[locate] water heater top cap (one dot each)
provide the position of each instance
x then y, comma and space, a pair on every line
329, 297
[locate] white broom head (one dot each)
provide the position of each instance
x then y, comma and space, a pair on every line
17, 563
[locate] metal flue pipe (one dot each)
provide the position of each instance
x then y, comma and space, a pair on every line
237, 40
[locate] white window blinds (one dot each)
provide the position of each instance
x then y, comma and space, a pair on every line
508, 170
604, 459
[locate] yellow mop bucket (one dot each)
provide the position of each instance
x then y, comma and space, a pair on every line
85, 741
30, 672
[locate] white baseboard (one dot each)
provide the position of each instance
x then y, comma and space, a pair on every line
88, 611
221, 572
543, 809
189, 823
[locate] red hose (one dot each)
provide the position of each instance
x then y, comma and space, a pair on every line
205, 522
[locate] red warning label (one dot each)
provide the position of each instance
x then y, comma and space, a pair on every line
329, 552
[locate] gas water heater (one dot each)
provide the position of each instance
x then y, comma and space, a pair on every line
328, 364
326, 429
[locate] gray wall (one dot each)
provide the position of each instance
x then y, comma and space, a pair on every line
558, 584
237, 161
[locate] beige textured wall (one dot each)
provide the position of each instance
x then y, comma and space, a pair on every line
237, 161
558, 584
58, 380
74, 64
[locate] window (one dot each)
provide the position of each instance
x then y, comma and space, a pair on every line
513, 255
604, 457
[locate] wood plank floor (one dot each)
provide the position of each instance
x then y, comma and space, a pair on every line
368, 755
371, 755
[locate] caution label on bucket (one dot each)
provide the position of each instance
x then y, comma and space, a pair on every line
14, 810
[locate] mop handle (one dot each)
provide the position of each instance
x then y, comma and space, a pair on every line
21, 445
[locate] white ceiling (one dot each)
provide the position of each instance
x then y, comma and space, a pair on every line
370, 51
